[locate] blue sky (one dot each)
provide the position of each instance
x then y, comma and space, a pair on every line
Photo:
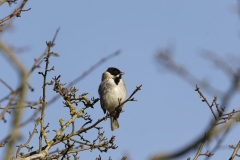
169, 113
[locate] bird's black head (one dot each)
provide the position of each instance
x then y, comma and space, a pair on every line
116, 73
113, 71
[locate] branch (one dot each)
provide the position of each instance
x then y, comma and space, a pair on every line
205, 100
3, 82
211, 132
235, 151
16, 13
92, 68
29, 139
22, 93
43, 100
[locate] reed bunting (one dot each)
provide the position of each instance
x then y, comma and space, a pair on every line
112, 92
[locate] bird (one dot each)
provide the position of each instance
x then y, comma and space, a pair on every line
112, 92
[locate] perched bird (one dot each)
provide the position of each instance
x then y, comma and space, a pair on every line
112, 92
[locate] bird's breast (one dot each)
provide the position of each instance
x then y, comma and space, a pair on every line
110, 94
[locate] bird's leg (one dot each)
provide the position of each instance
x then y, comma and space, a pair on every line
118, 109
106, 117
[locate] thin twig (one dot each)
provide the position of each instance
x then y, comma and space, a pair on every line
235, 151
10, 88
29, 139
43, 100
205, 100
16, 12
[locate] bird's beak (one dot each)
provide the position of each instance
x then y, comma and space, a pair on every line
120, 74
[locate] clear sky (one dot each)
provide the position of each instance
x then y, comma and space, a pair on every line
169, 113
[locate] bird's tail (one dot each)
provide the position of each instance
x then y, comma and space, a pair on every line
114, 123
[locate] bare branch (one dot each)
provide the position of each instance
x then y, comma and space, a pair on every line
16, 13
235, 151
